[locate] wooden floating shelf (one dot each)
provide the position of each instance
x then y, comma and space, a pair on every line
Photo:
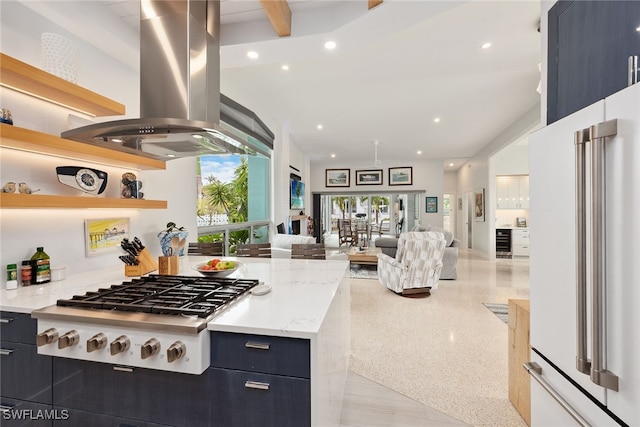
37, 142
20, 76
30, 201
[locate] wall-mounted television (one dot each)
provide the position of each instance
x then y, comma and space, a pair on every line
296, 200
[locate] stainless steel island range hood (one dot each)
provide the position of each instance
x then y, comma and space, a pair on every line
182, 111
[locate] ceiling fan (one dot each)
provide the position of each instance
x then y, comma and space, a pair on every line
376, 161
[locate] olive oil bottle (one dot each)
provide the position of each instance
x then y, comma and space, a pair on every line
40, 266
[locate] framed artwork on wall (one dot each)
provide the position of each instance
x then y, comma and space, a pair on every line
104, 235
369, 177
337, 177
401, 176
478, 209
432, 204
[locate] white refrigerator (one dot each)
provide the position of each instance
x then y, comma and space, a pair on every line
585, 266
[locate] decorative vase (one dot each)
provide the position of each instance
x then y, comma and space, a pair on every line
166, 238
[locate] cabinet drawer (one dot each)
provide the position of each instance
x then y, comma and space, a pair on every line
260, 353
250, 399
26, 374
18, 413
143, 394
18, 327
521, 239
83, 418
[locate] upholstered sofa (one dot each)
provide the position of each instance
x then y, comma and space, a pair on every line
389, 246
281, 244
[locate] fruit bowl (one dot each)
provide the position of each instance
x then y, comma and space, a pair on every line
216, 273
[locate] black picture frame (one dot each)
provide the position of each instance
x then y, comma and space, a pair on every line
369, 177
337, 177
401, 175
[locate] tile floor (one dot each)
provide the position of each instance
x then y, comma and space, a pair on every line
434, 361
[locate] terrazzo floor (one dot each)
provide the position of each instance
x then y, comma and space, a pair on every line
446, 353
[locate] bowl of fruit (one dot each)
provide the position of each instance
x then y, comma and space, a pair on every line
217, 267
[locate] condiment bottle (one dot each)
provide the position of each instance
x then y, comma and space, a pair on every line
41, 267
26, 273
12, 276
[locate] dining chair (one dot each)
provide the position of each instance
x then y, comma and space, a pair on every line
346, 233
254, 250
308, 251
208, 249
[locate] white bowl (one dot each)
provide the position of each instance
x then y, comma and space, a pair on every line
218, 273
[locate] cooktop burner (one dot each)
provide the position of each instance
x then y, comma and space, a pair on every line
173, 295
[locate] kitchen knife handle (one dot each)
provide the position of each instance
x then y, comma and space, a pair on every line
536, 373
583, 364
598, 134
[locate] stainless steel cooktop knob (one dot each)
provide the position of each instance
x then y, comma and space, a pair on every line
176, 351
47, 337
150, 348
119, 345
96, 342
68, 339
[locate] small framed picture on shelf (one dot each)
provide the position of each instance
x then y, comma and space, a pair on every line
401, 176
432, 204
369, 177
337, 177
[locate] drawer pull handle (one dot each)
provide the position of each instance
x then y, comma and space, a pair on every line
256, 385
257, 345
6, 408
7, 319
122, 369
6, 351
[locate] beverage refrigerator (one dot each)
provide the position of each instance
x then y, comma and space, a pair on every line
585, 266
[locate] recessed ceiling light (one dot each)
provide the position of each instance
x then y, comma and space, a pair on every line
171, 155
319, 127
419, 151
638, 29
252, 54
330, 45
450, 165
486, 45
333, 156
436, 120
117, 140
285, 67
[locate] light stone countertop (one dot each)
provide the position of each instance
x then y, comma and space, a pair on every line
301, 293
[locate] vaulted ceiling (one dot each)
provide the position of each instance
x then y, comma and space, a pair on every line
398, 65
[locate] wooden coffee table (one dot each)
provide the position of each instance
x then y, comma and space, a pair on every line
368, 256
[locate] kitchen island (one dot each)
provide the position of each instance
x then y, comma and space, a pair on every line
304, 320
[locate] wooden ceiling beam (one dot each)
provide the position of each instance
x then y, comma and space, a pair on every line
279, 14
374, 3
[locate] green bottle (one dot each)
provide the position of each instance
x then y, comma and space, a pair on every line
41, 266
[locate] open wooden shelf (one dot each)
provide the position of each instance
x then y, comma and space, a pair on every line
18, 75
37, 142
31, 201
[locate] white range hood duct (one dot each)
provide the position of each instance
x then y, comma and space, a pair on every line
182, 111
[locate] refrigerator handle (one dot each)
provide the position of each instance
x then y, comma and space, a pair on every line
583, 364
535, 371
597, 135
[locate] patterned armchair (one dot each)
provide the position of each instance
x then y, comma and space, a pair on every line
417, 265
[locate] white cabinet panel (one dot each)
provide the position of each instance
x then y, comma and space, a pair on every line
512, 192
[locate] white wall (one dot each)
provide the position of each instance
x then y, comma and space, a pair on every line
428, 177
478, 173
61, 231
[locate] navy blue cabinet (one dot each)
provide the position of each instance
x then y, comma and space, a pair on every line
83, 418
135, 394
260, 380
588, 48
25, 374
21, 413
